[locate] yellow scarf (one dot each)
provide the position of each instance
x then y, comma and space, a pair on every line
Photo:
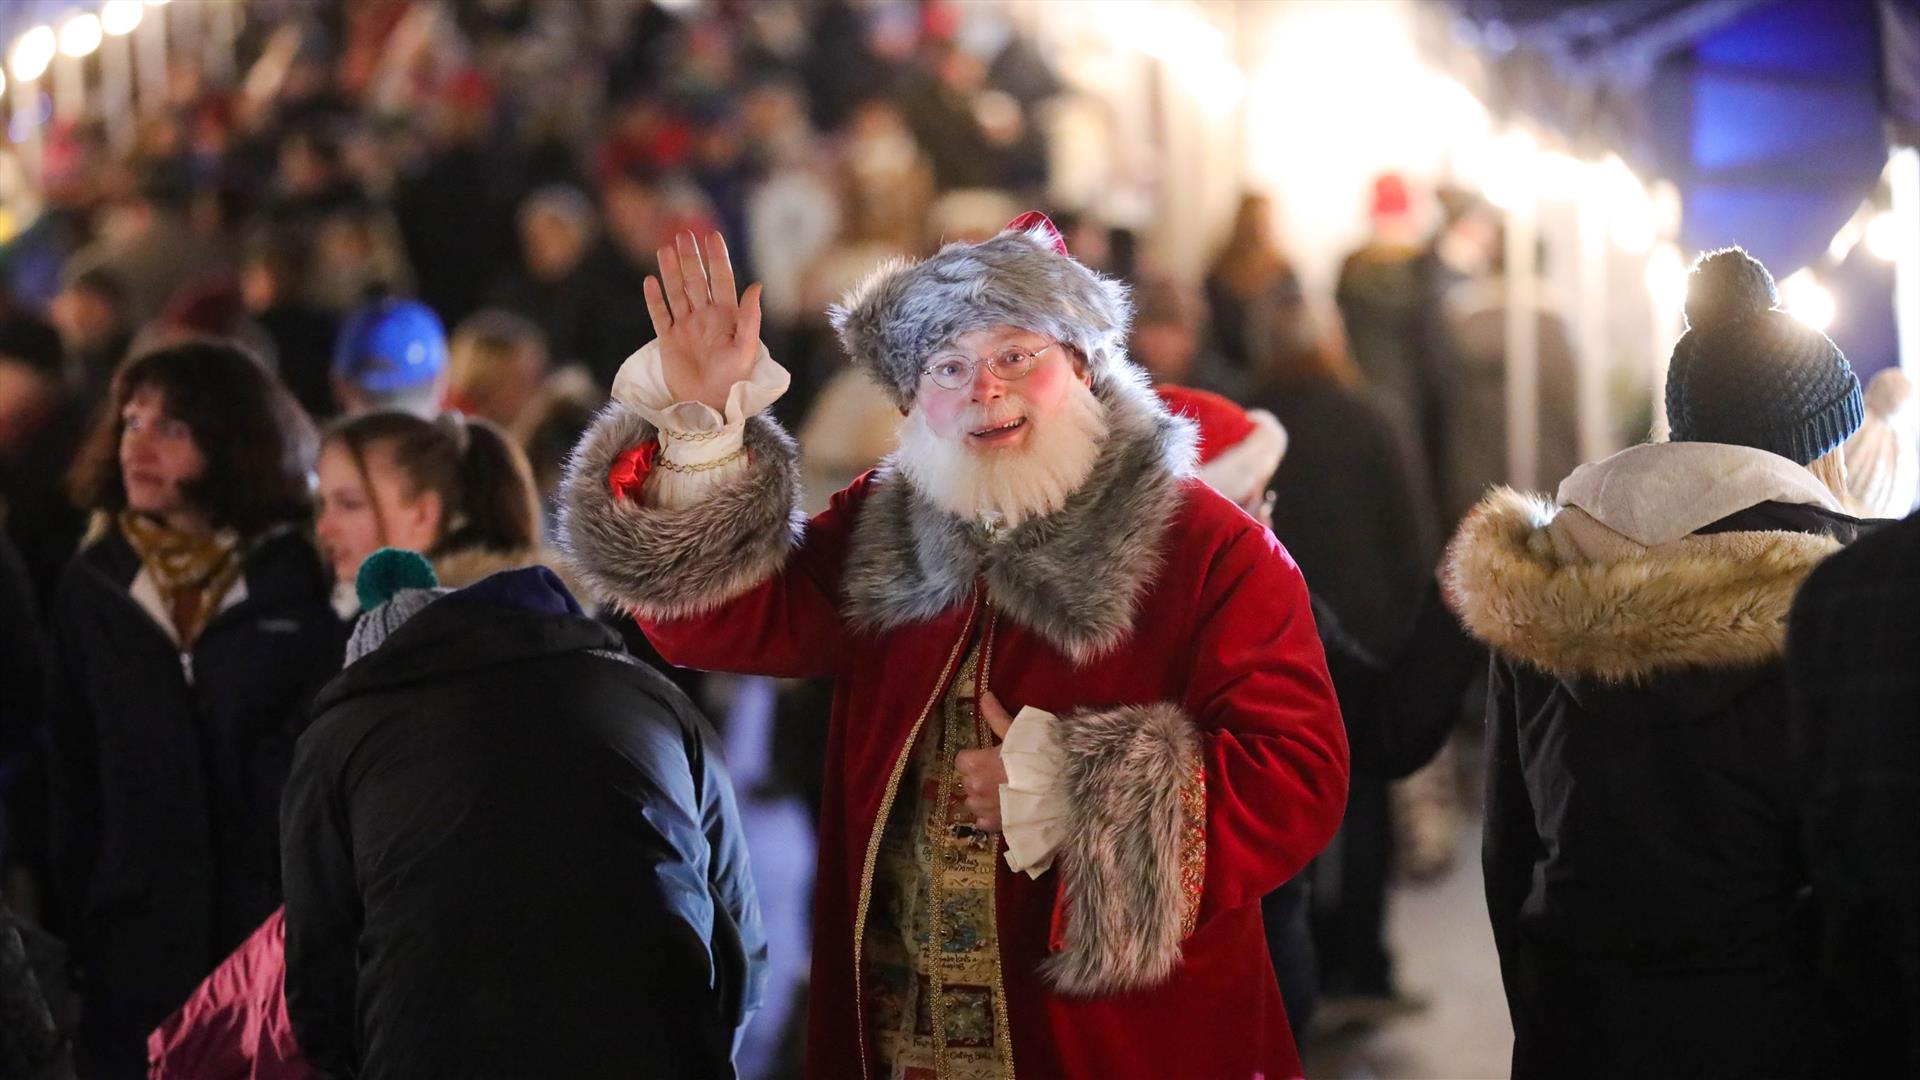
192, 570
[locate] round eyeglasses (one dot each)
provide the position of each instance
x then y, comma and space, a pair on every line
955, 371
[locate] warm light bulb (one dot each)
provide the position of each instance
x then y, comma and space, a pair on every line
80, 35
1511, 171
1804, 298
1559, 175
1843, 241
31, 54
1667, 276
121, 16
1883, 236
1630, 213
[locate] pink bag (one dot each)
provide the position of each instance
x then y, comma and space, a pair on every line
235, 1025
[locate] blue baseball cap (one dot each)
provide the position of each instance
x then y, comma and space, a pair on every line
391, 345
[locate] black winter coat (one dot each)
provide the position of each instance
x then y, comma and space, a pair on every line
1853, 662
167, 771
1400, 711
1352, 509
512, 851
1644, 870
23, 678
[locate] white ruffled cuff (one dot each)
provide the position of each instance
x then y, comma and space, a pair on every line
699, 447
1033, 806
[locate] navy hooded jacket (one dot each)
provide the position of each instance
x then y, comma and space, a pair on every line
510, 850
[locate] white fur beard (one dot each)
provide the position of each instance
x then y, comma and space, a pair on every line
1010, 486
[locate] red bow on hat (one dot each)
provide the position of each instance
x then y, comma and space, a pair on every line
1034, 219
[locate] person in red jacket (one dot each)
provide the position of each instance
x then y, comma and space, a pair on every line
1082, 721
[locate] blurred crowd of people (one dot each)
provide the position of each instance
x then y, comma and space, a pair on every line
371, 294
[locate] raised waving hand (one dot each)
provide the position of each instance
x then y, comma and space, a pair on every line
709, 335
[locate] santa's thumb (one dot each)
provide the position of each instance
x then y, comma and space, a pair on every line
996, 715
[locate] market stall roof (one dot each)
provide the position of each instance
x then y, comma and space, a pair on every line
1771, 116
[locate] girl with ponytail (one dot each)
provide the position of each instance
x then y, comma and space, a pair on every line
455, 490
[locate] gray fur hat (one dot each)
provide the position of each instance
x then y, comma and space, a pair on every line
895, 320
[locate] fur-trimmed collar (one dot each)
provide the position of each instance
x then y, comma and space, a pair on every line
1075, 576
1716, 601
458, 569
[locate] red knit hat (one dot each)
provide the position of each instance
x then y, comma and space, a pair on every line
1239, 448
1390, 196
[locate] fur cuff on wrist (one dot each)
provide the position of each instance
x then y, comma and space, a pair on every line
1135, 855
669, 564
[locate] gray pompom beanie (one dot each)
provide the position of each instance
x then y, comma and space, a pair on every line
1749, 374
905, 311
394, 585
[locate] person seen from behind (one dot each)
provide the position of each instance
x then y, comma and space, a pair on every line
1645, 872
1856, 737
495, 367
511, 850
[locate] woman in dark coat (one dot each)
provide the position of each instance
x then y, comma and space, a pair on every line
1645, 873
1254, 302
1352, 508
189, 636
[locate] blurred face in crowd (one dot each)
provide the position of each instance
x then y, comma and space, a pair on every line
635, 216
961, 72
496, 380
159, 458
1255, 219
348, 527
74, 166
86, 318
773, 113
1471, 243
347, 258
879, 144
1166, 349
124, 221
306, 80
514, 386
304, 169
1016, 447
554, 243
26, 396
719, 146
260, 285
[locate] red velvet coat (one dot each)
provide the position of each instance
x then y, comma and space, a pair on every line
1205, 758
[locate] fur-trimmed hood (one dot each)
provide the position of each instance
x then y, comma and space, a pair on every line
1553, 588
1074, 576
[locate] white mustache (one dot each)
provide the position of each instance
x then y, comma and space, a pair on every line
980, 419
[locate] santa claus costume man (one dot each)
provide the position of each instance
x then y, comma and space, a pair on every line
1082, 722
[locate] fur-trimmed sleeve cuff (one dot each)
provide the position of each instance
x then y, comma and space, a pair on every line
663, 563
1135, 852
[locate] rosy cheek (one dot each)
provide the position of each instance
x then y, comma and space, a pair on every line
940, 415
